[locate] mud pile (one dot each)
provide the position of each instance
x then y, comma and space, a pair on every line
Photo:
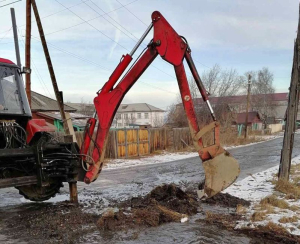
226, 200
165, 203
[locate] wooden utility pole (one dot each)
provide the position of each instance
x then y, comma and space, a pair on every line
291, 114
67, 126
27, 50
248, 104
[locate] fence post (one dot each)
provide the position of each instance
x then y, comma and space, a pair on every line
138, 141
126, 148
149, 135
115, 144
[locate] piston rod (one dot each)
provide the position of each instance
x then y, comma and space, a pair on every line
141, 40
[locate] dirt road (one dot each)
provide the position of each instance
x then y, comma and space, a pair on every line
115, 185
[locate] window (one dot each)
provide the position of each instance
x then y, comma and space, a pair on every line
139, 115
119, 125
118, 116
9, 95
125, 116
146, 115
132, 116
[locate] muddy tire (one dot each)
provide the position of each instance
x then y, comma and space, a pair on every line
39, 194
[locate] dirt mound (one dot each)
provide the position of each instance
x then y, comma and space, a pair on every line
226, 200
165, 203
59, 223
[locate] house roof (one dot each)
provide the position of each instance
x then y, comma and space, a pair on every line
40, 102
241, 117
80, 106
138, 107
276, 97
77, 119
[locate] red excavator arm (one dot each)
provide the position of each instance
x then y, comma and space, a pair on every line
220, 168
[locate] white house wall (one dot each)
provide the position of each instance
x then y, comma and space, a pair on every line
155, 119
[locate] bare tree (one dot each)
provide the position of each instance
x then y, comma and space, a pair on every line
222, 83
129, 118
176, 115
261, 90
157, 120
211, 79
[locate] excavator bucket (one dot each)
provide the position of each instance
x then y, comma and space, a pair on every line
220, 172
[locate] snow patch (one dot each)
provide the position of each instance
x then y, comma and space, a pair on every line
257, 186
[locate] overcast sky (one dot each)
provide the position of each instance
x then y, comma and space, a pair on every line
88, 37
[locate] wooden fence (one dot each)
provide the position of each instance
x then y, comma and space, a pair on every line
126, 143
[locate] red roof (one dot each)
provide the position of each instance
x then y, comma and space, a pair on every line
253, 117
243, 98
3, 60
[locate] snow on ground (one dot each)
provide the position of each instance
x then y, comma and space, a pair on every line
161, 158
168, 157
257, 186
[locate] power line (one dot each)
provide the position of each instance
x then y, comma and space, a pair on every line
84, 59
159, 88
79, 23
36, 69
124, 6
107, 35
72, 54
125, 34
90, 24
10, 3
53, 13
5, 34
111, 22
146, 25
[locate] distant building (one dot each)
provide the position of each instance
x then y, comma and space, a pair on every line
138, 114
276, 103
83, 108
41, 103
254, 120
43, 107
78, 120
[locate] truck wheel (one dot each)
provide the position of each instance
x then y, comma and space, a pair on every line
39, 194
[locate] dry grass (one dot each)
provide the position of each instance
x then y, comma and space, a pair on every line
294, 208
240, 209
264, 209
278, 229
268, 208
289, 188
274, 201
289, 219
258, 216
295, 169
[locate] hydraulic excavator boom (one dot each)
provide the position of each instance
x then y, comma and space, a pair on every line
221, 169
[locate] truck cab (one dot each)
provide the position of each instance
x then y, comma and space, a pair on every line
13, 100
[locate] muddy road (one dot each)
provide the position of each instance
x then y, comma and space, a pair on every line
117, 185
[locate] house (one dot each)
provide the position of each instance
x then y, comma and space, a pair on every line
138, 114
41, 103
78, 120
83, 108
43, 107
254, 121
269, 105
